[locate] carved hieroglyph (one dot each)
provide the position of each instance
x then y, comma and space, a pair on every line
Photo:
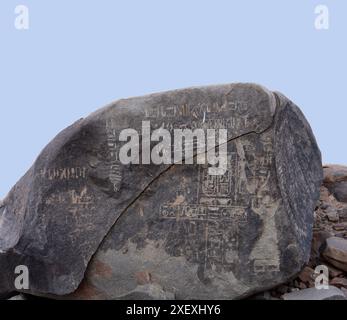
80, 214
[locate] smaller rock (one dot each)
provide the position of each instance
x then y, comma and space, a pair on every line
333, 272
340, 227
340, 191
302, 285
335, 179
332, 215
282, 289
336, 252
332, 293
324, 206
342, 214
318, 242
18, 297
341, 234
306, 275
339, 282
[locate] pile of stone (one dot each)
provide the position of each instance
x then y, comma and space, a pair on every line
329, 244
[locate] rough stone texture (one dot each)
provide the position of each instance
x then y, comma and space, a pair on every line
342, 214
307, 275
339, 282
344, 292
336, 252
167, 230
18, 297
335, 178
318, 245
265, 295
328, 205
324, 228
148, 292
332, 293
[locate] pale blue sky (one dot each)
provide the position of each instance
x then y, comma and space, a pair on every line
80, 55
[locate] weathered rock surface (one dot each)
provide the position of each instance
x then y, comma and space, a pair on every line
18, 297
339, 282
324, 228
336, 252
167, 230
332, 293
335, 178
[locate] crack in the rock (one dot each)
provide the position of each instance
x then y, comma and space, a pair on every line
171, 166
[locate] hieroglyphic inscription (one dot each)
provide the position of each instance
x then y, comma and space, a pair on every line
226, 113
233, 125
79, 208
115, 167
73, 198
194, 212
72, 173
214, 219
222, 205
196, 110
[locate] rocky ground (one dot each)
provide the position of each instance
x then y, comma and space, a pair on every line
329, 246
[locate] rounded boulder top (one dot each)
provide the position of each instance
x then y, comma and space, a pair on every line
82, 218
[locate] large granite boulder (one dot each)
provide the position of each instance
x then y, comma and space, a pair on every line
88, 226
